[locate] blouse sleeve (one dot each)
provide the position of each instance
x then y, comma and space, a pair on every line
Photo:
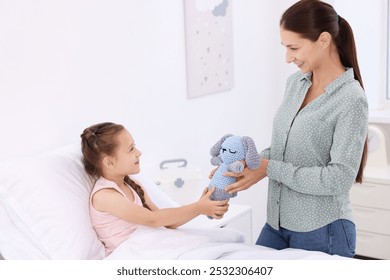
265, 153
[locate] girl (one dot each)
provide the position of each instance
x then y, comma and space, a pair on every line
118, 205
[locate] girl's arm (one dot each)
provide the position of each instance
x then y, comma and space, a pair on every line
111, 201
206, 195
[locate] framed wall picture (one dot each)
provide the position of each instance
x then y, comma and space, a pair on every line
209, 46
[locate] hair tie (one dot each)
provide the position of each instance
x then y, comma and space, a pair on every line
92, 133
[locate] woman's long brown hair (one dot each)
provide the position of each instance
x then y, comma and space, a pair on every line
100, 140
310, 18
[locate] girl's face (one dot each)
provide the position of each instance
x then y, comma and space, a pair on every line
302, 52
127, 156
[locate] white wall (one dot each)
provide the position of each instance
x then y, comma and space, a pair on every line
68, 64
65, 65
368, 20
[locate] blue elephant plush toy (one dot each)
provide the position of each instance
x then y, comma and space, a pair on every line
228, 154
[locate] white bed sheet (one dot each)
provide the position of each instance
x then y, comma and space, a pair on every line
205, 244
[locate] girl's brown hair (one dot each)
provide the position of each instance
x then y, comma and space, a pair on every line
310, 18
100, 140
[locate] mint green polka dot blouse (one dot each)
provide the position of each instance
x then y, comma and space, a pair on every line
315, 153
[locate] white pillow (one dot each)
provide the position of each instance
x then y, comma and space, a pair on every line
159, 197
46, 199
44, 207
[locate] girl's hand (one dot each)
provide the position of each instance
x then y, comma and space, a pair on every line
248, 177
212, 173
215, 209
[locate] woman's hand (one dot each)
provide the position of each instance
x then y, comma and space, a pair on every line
213, 208
248, 177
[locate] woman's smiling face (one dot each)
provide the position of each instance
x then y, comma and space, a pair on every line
302, 52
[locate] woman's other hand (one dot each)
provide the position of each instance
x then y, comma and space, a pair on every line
248, 177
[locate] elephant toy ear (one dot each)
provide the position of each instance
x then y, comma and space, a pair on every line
252, 157
216, 161
214, 151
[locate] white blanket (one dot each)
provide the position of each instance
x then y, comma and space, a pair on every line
206, 244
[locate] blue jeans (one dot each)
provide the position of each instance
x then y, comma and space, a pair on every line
336, 238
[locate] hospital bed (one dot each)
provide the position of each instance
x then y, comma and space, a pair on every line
44, 214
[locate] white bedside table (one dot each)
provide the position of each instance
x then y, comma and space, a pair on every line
239, 217
371, 208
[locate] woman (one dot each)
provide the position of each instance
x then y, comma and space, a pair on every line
318, 147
